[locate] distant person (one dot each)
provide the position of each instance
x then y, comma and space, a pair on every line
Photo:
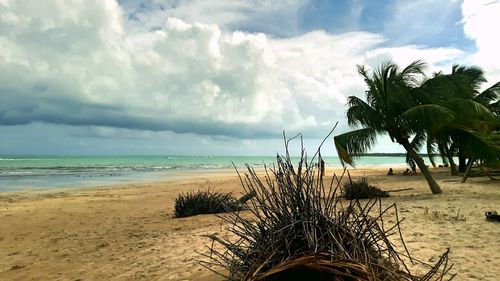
391, 172
407, 172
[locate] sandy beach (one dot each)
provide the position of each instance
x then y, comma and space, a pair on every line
128, 233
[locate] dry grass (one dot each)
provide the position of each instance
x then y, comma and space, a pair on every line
299, 225
205, 201
360, 189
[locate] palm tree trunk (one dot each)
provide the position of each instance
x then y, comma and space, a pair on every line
423, 168
467, 171
453, 166
461, 162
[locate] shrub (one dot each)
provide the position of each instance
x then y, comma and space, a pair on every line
205, 201
299, 227
360, 189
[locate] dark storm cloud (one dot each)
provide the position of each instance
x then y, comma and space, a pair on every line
77, 113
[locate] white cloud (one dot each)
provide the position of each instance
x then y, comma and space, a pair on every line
277, 16
480, 21
438, 59
73, 62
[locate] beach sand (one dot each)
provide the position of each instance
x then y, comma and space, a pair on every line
128, 233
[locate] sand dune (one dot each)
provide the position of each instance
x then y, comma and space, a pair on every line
127, 232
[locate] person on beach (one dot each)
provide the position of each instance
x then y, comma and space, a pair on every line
407, 172
390, 172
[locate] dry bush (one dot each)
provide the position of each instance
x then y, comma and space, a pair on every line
300, 227
205, 201
360, 189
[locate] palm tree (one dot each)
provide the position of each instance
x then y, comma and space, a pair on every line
393, 106
468, 135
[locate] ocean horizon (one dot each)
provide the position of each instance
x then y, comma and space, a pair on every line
31, 172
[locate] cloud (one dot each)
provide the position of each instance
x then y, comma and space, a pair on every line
43, 138
436, 58
480, 22
74, 63
271, 17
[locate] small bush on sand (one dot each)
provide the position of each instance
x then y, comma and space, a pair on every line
205, 201
360, 189
300, 228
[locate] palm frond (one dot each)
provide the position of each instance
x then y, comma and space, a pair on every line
431, 149
438, 141
389, 88
443, 87
474, 75
480, 146
351, 144
469, 108
366, 77
495, 107
413, 72
361, 113
410, 160
428, 116
377, 96
489, 95
418, 141
443, 152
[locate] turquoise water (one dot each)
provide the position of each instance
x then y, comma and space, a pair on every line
29, 172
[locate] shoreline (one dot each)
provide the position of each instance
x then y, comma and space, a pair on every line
116, 181
92, 182
61, 172
127, 232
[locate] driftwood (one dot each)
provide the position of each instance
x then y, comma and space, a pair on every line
399, 190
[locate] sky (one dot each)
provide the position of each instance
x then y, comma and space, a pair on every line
213, 77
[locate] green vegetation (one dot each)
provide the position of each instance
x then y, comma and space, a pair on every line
445, 112
473, 134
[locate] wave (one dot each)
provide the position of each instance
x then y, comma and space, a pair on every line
34, 171
24, 159
129, 165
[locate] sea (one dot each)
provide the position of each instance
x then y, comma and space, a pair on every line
32, 172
